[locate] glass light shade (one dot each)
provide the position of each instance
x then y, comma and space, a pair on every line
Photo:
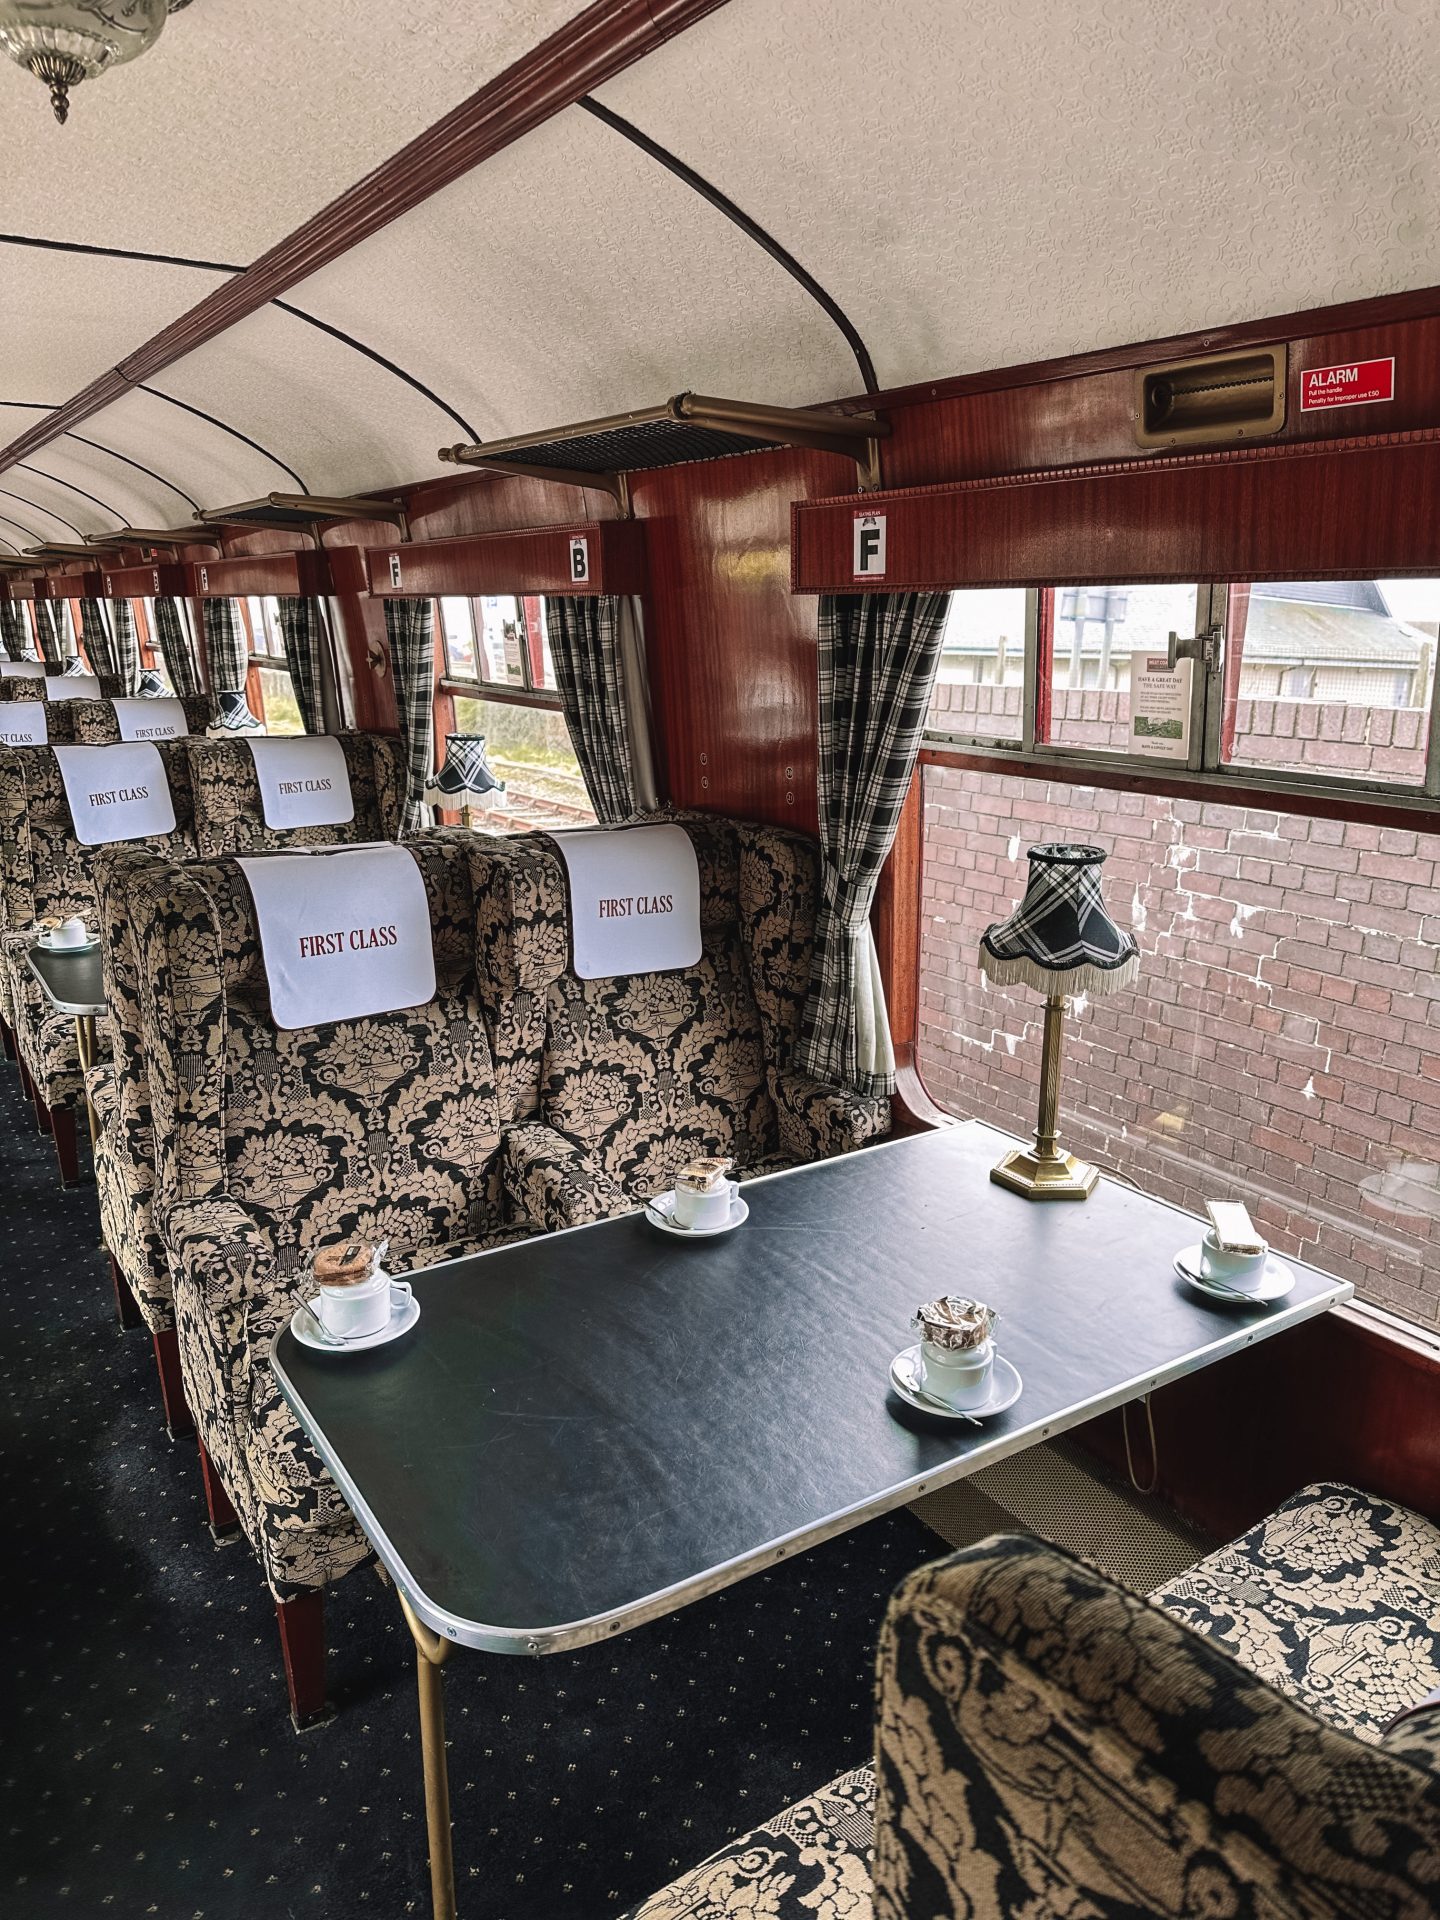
63, 42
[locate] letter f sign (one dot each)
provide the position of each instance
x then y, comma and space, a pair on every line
869, 545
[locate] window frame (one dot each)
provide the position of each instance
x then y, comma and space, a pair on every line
528, 693
1206, 774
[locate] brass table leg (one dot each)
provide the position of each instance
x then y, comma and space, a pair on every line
430, 1655
85, 1047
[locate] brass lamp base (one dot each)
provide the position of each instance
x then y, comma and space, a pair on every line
1041, 1176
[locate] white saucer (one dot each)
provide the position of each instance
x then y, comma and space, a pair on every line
1278, 1281
402, 1319
660, 1213
906, 1376
54, 946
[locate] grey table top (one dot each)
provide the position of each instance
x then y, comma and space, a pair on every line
589, 1429
72, 982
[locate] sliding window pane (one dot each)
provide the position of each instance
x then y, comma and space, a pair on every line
980, 687
277, 696
502, 639
457, 631
1104, 640
1331, 677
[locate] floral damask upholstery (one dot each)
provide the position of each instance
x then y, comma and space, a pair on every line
627, 1078
271, 1144
1051, 1746
94, 723
45, 870
229, 810
230, 819
1334, 1598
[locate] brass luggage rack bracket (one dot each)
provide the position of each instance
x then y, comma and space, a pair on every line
691, 426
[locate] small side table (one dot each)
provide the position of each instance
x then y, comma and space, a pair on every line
73, 983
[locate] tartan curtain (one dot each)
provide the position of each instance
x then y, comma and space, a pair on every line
303, 626
410, 629
48, 636
225, 648
605, 700
125, 644
878, 658
13, 634
177, 649
96, 638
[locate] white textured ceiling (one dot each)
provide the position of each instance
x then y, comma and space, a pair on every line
981, 185
67, 317
572, 277
248, 116
976, 185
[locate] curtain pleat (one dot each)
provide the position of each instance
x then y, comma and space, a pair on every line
225, 647
98, 640
598, 649
13, 633
48, 636
177, 649
877, 662
303, 628
410, 629
127, 645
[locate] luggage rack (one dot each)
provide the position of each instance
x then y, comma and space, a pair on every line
689, 427
297, 512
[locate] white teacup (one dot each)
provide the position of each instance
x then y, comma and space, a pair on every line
70, 933
350, 1313
712, 1209
1242, 1271
960, 1376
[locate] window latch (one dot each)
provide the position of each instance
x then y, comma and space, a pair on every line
1204, 647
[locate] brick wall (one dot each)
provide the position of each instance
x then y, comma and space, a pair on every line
1320, 736
1282, 1044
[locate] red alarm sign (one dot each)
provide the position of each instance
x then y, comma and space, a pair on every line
1361, 383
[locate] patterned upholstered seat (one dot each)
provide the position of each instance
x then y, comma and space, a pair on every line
609, 1086
271, 1144
1052, 1747
229, 817
124, 1154
93, 722
45, 870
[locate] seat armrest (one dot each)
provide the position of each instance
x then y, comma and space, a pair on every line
816, 1120
221, 1249
1050, 1743
550, 1182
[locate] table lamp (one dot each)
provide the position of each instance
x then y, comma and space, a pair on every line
1061, 941
466, 778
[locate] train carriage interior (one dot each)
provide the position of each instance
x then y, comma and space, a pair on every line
719, 913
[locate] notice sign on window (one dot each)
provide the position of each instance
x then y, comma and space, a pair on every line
1159, 707
869, 546
1361, 383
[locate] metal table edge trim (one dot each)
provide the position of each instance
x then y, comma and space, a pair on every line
581, 1633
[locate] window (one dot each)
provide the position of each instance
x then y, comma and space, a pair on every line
979, 689
1297, 686
498, 680
1332, 675
268, 686
1277, 1045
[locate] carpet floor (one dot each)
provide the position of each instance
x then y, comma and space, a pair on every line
147, 1764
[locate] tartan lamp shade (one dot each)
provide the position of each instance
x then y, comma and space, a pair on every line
466, 776
1060, 939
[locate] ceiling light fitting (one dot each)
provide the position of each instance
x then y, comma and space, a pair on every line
63, 42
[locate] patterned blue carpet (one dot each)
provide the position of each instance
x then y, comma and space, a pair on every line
147, 1765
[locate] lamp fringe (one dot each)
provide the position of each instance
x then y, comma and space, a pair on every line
1022, 971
